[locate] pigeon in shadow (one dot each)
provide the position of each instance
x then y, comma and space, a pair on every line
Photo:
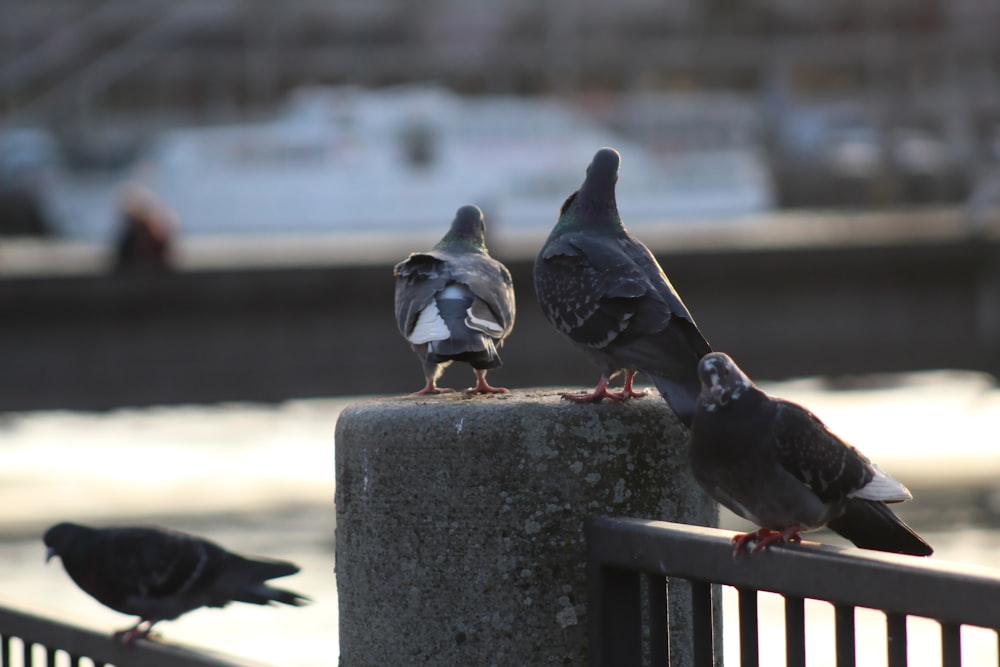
456, 303
606, 292
776, 464
158, 575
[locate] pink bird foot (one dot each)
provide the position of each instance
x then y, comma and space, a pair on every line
763, 538
600, 393
431, 388
128, 636
483, 387
627, 391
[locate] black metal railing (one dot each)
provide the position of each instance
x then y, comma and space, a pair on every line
634, 563
27, 640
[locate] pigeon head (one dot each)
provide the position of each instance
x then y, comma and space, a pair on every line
722, 381
60, 538
468, 229
597, 194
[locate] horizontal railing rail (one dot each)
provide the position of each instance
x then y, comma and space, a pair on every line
28, 640
631, 560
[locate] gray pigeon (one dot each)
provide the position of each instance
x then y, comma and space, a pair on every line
158, 575
776, 464
604, 290
456, 303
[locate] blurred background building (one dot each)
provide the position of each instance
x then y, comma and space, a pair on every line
854, 103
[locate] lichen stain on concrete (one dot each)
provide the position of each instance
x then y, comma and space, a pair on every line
566, 616
621, 493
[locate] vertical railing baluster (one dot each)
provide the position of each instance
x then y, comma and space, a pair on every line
951, 645
4, 650
895, 631
795, 632
702, 626
27, 657
616, 622
846, 654
659, 638
749, 645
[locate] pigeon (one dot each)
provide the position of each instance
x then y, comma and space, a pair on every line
456, 303
603, 288
776, 464
158, 574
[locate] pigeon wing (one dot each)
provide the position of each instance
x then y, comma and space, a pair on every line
640, 255
418, 278
590, 290
151, 563
806, 448
493, 310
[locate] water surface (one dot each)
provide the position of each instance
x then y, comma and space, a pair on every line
260, 479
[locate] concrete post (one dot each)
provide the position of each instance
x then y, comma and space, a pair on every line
460, 521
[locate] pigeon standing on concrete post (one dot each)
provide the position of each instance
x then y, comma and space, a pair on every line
604, 290
456, 303
158, 575
776, 464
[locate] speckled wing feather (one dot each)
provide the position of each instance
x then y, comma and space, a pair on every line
588, 293
808, 450
839, 475
611, 293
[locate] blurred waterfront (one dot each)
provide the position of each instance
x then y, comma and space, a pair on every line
821, 181
260, 479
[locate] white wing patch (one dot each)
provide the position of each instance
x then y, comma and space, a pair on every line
883, 488
488, 327
430, 326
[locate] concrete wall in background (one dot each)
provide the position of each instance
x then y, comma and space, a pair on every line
97, 342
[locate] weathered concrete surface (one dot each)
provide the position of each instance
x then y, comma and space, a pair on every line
459, 521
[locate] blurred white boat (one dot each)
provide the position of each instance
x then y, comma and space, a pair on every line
346, 159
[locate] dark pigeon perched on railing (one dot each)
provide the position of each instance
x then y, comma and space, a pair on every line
604, 289
456, 303
776, 464
158, 575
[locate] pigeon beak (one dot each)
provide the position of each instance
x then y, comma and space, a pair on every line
49, 553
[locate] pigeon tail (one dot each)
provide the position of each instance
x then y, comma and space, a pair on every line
251, 569
483, 354
872, 525
264, 594
243, 580
465, 344
680, 396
